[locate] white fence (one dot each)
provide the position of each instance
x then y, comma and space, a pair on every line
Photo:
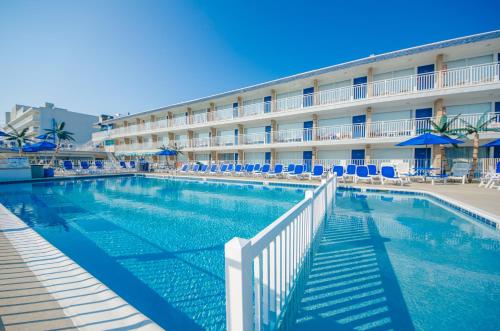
262, 273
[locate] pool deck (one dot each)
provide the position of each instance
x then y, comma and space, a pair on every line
43, 289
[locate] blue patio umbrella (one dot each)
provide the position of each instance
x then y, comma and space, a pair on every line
166, 152
429, 139
44, 136
3, 134
44, 146
492, 143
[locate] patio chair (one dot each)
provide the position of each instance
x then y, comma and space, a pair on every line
203, 168
123, 165
213, 169
249, 169
68, 167
278, 171
85, 167
363, 174
223, 168
373, 171
184, 169
265, 170
298, 172
388, 174
238, 170
132, 164
350, 172
339, 171
290, 169
317, 173
491, 178
195, 169
229, 170
256, 169
99, 166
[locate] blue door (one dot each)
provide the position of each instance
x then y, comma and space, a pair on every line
496, 152
307, 156
358, 128
235, 109
308, 97
267, 104
425, 78
359, 88
236, 158
422, 117
422, 157
268, 157
497, 111
236, 136
358, 156
308, 130
268, 134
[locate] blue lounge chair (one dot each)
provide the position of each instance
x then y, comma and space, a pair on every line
265, 170
99, 166
85, 167
203, 168
223, 168
388, 174
373, 171
339, 171
132, 164
68, 167
298, 172
362, 173
123, 165
249, 169
238, 170
229, 169
256, 169
350, 172
317, 172
184, 169
290, 169
213, 169
278, 171
195, 169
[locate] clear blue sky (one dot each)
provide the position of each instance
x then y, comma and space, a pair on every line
130, 56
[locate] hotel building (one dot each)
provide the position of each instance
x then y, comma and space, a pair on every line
351, 112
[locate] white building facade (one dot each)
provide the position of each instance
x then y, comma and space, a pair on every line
355, 112
37, 119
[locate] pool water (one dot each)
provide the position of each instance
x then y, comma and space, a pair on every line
157, 243
401, 262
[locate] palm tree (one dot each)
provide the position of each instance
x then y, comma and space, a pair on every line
473, 129
59, 135
20, 138
173, 147
443, 128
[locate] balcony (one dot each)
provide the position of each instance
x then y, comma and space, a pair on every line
414, 84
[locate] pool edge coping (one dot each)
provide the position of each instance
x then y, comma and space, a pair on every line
101, 306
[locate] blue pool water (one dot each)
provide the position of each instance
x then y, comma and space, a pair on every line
157, 243
401, 262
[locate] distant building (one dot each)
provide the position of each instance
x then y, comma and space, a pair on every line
37, 119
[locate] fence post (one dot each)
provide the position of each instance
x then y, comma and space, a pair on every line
238, 265
310, 196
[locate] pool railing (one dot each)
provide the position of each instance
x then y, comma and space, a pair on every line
263, 272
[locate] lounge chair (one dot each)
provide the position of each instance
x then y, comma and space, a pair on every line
85, 167
278, 171
249, 169
459, 171
388, 174
290, 169
339, 171
317, 172
203, 168
350, 172
195, 169
184, 169
229, 170
491, 178
132, 164
123, 165
363, 174
256, 169
213, 169
298, 172
68, 167
99, 166
223, 168
372, 171
264, 170
238, 170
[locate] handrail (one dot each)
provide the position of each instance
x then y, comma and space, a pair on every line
262, 272
443, 79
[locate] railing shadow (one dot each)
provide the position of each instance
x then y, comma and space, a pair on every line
352, 284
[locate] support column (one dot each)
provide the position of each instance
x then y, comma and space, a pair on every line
241, 131
316, 89
273, 157
368, 154
241, 156
315, 127
190, 136
213, 135
273, 101
213, 155
170, 118
314, 156
189, 115
274, 129
439, 68
369, 76
368, 123
438, 150
190, 156
211, 112
240, 106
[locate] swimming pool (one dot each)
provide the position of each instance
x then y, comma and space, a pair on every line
402, 262
157, 243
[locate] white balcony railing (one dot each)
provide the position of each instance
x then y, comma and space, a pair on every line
444, 79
